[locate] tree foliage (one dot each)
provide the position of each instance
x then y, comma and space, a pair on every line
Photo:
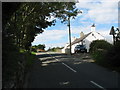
31, 18
113, 55
54, 49
116, 34
21, 22
40, 46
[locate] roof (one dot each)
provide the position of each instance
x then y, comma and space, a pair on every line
93, 25
79, 39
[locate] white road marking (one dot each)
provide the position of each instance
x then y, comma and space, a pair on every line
97, 85
69, 67
76, 71
64, 64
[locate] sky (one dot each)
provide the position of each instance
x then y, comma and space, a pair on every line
103, 13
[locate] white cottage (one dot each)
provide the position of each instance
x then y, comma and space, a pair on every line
85, 40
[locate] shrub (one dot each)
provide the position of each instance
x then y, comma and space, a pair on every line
98, 50
99, 45
113, 55
100, 57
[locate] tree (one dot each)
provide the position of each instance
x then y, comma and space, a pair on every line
40, 46
22, 23
112, 32
116, 34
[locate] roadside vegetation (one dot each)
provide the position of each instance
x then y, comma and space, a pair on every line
55, 49
16, 64
38, 48
21, 23
106, 54
98, 50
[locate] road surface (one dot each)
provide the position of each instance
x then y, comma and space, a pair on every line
55, 70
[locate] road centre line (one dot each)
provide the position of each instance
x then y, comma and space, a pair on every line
64, 64
94, 83
97, 85
69, 67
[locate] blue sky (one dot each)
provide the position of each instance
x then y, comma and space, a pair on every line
104, 13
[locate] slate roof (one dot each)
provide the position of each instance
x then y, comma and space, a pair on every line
79, 39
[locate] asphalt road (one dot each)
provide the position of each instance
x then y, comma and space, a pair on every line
55, 70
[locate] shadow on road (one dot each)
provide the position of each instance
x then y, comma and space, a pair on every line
49, 72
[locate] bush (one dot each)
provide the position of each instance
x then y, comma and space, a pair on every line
106, 54
99, 45
98, 50
113, 55
100, 57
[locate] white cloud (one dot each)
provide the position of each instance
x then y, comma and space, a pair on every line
78, 29
103, 11
49, 36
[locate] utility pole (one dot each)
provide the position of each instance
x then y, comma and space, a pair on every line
69, 16
69, 33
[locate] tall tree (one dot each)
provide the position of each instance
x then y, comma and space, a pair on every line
23, 22
112, 32
116, 34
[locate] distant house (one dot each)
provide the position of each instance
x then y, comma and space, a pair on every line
84, 40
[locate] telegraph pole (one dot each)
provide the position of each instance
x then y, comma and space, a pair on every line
69, 33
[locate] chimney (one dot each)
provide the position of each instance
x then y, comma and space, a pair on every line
73, 39
93, 28
81, 34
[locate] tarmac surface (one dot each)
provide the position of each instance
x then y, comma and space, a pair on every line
56, 70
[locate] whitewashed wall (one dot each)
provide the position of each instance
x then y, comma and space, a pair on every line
91, 38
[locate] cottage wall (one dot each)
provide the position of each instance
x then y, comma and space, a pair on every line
93, 36
87, 44
73, 47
